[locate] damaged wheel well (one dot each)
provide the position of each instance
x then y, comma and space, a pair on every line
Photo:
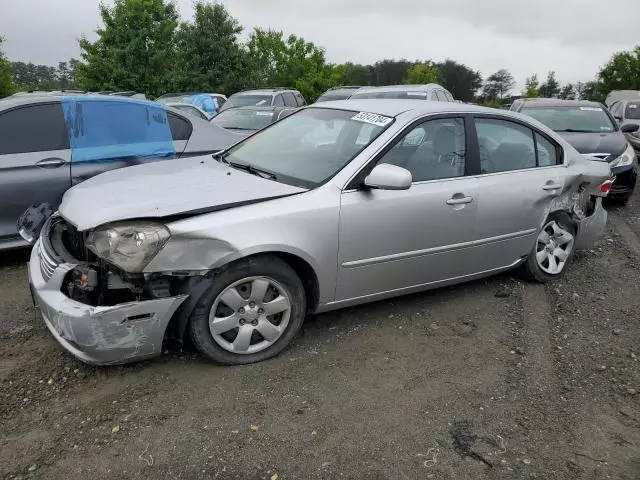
197, 286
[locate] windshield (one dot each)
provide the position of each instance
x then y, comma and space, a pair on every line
415, 95
632, 111
244, 119
572, 119
310, 146
245, 100
335, 95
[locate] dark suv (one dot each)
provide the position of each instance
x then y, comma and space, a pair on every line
591, 129
266, 97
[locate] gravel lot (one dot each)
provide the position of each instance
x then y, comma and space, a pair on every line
496, 379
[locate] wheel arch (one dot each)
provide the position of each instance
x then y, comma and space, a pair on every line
196, 286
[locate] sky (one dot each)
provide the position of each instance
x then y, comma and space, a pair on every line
573, 37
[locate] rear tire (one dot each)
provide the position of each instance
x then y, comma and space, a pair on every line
552, 251
253, 310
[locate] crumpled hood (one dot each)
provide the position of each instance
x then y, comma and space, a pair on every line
613, 143
162, 189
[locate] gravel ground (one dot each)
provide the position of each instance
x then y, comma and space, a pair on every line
496, 379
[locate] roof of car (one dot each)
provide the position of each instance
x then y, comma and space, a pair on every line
557, 102
19, 100
395, 107
265, 91
260, 108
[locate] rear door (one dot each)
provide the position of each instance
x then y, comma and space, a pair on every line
521, 173
34, 161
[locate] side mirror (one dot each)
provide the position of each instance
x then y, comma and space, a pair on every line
389, 177
629, 128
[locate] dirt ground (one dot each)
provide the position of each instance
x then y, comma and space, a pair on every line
496, 379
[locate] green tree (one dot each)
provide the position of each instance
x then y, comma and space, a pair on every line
550, 88
135, 49
531, 87
460, 80
6, 80
209, 53
422, 73
353, 74
291, 62
568, 92
622, 72
593, 91
498, 84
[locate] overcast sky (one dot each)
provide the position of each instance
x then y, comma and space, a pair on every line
572, 37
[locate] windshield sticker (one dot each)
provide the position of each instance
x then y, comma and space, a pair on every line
261, 102
264, 114
591, 109
417, 94
631, 105
372, 118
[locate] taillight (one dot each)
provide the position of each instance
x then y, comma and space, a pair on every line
605, 187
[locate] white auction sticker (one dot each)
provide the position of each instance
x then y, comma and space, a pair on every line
372, 118
264, 114
417, 94
591, 109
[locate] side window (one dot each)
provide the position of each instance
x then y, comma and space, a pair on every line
277, 101
449, 96
504, 145
180, 127
433, 96
36, 128
546, 151
289, 99
300, 99
432, 150
441, 96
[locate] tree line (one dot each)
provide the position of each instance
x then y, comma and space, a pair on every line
144, 46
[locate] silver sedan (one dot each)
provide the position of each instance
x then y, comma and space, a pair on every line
339, 204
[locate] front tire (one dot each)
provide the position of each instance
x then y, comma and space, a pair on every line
552, 251
253, 310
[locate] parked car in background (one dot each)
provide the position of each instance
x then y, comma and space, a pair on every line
49, 143
234, 250
266, 97
430, 91
338, 93
616, 95
627, 112
190, 109
208, 102
246, 120
591, 129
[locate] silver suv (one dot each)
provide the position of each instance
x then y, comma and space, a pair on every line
266, 97
429, 91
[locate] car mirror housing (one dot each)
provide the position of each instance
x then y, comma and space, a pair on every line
629, 128
389, 177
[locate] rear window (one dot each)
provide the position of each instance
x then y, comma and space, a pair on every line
241, 119
632, 111
406, 94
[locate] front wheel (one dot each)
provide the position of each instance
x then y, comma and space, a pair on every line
252, 311
553, 250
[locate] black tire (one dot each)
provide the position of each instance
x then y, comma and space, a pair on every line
268, 266
530, 268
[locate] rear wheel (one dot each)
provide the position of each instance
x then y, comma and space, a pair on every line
552, 251
252, 311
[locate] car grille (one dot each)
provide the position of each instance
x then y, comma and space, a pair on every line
48, 262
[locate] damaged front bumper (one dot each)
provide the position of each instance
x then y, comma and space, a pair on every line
591, 227
102, 335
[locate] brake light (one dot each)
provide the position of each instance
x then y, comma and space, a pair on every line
605, 187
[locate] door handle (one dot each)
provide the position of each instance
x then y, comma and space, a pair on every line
459, 200
552, 186
51, 163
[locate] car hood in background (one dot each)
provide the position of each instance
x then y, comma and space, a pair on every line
613, 143
163, 189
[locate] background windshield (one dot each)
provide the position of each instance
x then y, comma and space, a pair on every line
582, 119
632, 111
244, 119
415, 95
310, 146
244, 100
